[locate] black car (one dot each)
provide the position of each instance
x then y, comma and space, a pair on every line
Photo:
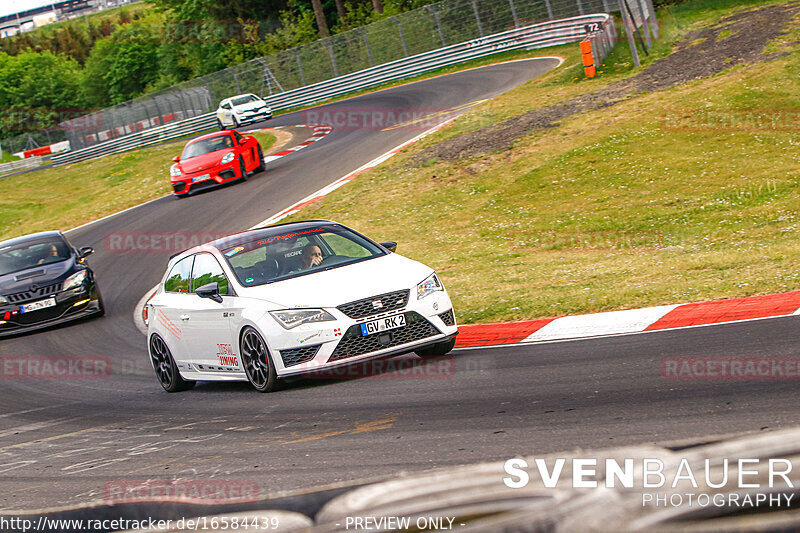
44, 280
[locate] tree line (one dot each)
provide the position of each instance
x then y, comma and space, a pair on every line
70, 68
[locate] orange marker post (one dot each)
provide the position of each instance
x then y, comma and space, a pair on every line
588, 58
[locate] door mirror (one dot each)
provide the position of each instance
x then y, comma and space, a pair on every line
391, 246
211, 291
85, 251
177, 159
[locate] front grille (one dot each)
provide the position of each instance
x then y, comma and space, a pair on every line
370, 306
448, 317
296, 356
353, 344
178, 187
32, 294
227, 174
207, 184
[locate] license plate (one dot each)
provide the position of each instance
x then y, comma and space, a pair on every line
383, 324
35, 306
204, 177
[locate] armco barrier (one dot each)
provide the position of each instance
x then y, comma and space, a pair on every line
22, 164
534, 36
139, 140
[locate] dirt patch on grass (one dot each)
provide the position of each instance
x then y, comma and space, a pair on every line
737, 39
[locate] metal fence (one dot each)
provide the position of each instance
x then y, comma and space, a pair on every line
421, 30
533, 36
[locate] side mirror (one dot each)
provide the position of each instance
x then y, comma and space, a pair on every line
177, 159
211, 291
85, 251
391, 246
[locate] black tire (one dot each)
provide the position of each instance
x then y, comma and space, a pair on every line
219, 125
102, 310
242, 170
184, 195
165, 367
436, 350
257, 362
235, 122
261, 162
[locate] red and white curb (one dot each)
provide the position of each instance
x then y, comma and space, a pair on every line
310, 199
320, 131
630, 321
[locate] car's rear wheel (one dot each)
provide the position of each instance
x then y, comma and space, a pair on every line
257, 363
261, 162
436, 350
165, 367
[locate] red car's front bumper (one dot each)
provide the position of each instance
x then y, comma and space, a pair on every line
207, 178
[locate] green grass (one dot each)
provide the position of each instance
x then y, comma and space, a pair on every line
615, 208
65, 197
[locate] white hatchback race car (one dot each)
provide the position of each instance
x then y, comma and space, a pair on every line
242, 109
291, 299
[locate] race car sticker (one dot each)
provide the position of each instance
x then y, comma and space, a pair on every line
226, 356
168, 325
231, 253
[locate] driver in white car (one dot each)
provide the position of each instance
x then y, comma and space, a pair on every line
312, 256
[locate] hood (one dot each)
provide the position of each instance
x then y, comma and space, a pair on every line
250, 106
203, 162
331, 288
40, 275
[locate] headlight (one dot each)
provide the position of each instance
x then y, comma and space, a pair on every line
429, 286
291, 318
3, 300
174, 171
227, 158
75, 280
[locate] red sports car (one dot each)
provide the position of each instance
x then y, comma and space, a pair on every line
215, 159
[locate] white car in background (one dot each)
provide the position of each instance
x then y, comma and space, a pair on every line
291, 299
242, 109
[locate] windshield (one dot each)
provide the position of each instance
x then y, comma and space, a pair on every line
32, 253
206, 146
276, 256
243, 100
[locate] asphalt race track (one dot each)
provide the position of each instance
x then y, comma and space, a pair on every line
61, 442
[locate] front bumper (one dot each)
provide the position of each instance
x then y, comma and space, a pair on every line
251, 119
318, 347
217, 176
70, 305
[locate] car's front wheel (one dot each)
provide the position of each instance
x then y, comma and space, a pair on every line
257, 363
165, 367
220, 126
261, 162
436, 350
235, 122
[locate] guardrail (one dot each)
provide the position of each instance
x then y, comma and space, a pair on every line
22, 164
534, 36
142, 139
531, 37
